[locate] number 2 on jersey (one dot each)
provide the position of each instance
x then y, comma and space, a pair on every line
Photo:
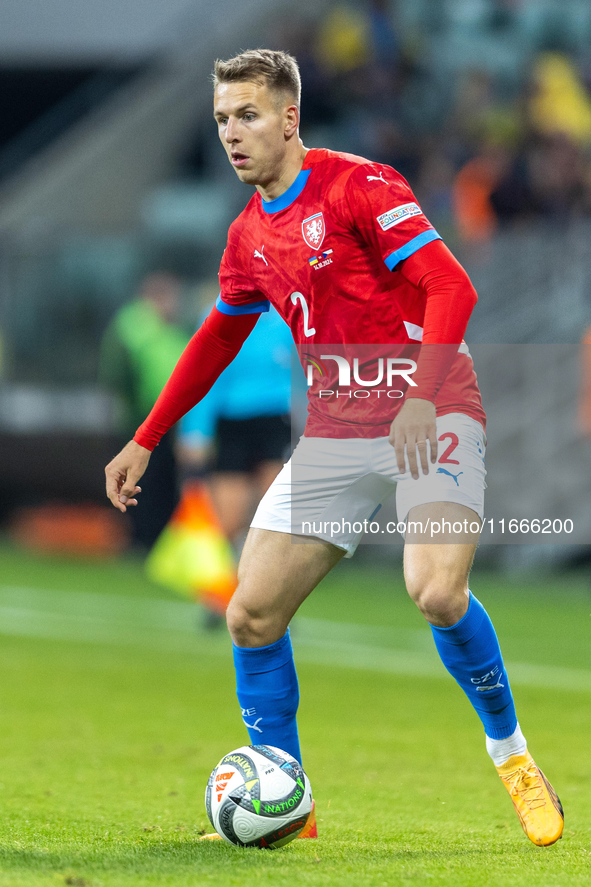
298, 297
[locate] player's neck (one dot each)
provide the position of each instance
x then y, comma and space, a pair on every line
289, 173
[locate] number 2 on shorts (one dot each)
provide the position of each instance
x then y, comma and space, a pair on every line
298, 297
445, 460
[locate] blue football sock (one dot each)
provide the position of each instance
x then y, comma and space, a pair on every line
470, 651
268, 693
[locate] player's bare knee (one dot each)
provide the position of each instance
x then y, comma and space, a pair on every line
441, 599
248, 625
240, 622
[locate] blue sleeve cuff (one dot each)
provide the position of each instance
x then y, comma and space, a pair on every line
251, 308
411, 247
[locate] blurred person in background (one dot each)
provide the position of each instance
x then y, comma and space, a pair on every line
488, 130
559, 102
241, 430
550, 176
139, 350
549, 179
522, 158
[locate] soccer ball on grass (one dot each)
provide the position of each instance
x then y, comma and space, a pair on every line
258, 796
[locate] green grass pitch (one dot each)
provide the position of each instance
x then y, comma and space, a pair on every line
113, 710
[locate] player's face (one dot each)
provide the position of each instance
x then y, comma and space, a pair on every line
254, 125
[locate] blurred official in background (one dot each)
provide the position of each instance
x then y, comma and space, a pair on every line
241, 430
139, 350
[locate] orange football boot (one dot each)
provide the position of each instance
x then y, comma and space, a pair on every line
310, 830
537, 804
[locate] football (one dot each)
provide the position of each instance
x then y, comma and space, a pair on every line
258, 796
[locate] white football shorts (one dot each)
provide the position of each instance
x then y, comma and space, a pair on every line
337, 483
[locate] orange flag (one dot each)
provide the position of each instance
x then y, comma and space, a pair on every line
192, 556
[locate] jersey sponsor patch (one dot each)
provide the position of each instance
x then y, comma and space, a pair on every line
398, 214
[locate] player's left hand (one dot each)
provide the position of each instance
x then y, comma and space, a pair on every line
413, 427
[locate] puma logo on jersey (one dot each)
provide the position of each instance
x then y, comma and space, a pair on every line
254, 726
379, 178
259, 255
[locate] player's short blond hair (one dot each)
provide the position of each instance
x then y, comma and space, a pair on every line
276, 69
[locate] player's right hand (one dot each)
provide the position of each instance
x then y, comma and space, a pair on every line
123, 473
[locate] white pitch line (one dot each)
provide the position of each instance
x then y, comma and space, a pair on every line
172, 626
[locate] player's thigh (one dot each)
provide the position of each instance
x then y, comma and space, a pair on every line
436, 572
459, 476
276, 574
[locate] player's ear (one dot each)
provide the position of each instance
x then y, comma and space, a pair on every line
292, 120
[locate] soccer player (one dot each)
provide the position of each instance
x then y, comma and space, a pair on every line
340, 247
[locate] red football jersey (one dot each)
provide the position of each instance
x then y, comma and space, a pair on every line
325, 254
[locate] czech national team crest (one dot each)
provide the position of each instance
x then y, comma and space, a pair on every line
313, 230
